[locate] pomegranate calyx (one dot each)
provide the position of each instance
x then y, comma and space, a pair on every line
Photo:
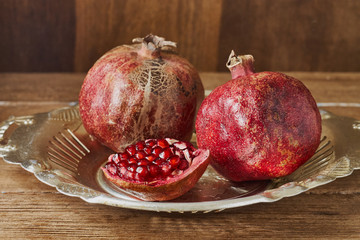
152, 44
241, 65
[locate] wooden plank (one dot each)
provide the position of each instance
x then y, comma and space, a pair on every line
102, 25
292, 35
66, 86
50, 215
62, 88
36, 86
36, 35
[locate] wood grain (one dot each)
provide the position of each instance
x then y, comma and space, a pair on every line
283, 35
102, 25
36, 35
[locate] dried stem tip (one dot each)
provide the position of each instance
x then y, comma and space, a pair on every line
241, 65
154, 42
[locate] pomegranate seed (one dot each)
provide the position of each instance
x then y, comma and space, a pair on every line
162, 143
122, 171
123, 163
154, 170
114, 158
111, 167
150, 157
156, 151
123, 156
184, 164
159, 161
131, 150
140, 154
166, 169
132, 167
147, 150
150, 143
143, 162
140, 145
132, 160
174, 161
166, 153
130, 175
142, 171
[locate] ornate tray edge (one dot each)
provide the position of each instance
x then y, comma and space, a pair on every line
65, 186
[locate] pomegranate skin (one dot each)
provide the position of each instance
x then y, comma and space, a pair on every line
258, 125
139, 91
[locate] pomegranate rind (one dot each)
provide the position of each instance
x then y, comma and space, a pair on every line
164, 190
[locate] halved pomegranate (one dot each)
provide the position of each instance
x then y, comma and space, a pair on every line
157, 169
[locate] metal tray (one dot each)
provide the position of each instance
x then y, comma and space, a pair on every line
55, 147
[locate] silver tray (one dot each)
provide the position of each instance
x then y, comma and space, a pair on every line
55, 147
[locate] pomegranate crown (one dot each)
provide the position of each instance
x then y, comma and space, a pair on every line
154, 42
241, 65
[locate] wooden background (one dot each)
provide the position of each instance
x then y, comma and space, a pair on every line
283, 35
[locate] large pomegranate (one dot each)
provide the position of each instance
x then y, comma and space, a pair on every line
140, 91
258, 125
157, 169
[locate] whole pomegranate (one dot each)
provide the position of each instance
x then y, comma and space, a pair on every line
157, 169
258, 125
140, 91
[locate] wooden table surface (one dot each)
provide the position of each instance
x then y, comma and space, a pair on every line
30, 209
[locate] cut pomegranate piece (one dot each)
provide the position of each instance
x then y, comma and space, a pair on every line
166, 171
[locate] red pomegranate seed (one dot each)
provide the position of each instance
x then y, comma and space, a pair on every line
132, 167
184, 164
114, 158
123, 163
123, 156
159, 161
143, 162
140, 154
150, 157
162, 143
166, 153
154, 170
130, 175
112, 168
150, 143
142, 171
132, 160
174, 161
157, 150
122, 171
131, 150
166, 169
140, 145
147, 150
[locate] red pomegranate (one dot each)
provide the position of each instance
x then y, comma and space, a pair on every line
258, 125
157, 169
140, 91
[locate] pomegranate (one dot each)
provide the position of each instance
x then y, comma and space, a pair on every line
157, 169
140, 91
258, 125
